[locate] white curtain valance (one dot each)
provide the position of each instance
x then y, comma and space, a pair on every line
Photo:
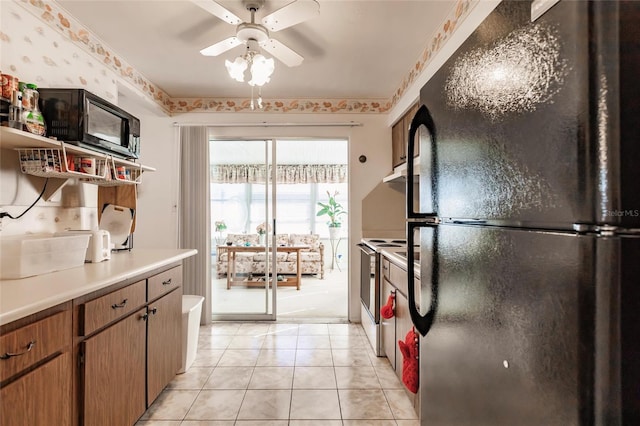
296, 173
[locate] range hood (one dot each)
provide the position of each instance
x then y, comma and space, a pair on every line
399, 173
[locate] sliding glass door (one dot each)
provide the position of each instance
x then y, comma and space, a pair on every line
251, 192
243, 218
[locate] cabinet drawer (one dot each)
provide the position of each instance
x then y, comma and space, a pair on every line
33, 343
386, 273
165, 282
105, 309
399, 278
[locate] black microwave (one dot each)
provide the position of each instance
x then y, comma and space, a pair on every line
81, 118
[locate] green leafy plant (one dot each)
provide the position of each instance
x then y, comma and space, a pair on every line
220, 226
333, 209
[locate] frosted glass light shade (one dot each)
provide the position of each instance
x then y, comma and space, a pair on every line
237, 68
261, 70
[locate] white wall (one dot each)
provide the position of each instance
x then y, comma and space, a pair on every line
35, 53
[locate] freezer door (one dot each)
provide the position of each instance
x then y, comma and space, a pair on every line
526, 118
512, 340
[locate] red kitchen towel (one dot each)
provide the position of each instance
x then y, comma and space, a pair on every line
410, 367
387, 310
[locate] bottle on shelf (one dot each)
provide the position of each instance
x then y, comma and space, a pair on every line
33, 119
15, 110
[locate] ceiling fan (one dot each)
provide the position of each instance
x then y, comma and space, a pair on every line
253, 34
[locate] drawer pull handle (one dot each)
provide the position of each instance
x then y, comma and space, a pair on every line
119, 305
8, 355
167, 282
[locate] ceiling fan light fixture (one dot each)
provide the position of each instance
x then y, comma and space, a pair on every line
261, 70
237, 68
256, 37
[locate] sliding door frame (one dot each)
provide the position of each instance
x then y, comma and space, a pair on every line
270, 218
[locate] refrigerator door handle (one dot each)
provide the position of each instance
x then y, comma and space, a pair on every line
468, 222
422, 323
422, 118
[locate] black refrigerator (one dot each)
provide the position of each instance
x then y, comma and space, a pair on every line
526, 208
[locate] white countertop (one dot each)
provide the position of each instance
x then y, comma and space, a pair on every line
26, 296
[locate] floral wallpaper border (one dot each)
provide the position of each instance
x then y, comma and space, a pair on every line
182, 105
57, 18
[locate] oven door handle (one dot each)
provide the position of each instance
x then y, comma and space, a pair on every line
365, 249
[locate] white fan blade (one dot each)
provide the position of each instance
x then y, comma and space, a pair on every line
218, 10
221, 46
283, 53
291, 14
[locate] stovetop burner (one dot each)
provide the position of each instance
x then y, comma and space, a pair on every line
379, 243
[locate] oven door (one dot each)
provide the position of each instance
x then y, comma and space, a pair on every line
368, 280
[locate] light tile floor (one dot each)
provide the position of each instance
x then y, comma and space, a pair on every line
259, 374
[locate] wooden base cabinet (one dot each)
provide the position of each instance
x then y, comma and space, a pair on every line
395, 279
36, 369
100, 359
388, 325
134, 351
41, 397
114, 373
403, 325
164, 340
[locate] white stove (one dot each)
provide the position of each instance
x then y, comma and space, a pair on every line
370, 284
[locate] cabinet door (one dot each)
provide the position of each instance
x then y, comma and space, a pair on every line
41, 397
407, 125
114, 373
398, 144
164, 342
403, 325
388, 326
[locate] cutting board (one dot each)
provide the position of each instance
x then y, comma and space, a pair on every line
124, 196
118, 221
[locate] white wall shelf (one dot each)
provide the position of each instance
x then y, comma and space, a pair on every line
49, 158
13, 139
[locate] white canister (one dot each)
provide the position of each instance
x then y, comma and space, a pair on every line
88, 165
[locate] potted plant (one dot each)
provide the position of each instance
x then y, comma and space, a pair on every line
262, 230
334, 210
